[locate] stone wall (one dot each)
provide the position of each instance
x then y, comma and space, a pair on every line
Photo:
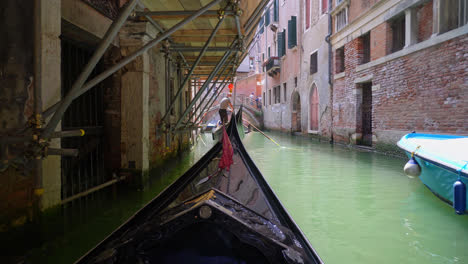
16, 107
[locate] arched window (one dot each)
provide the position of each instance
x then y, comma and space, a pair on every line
314, 109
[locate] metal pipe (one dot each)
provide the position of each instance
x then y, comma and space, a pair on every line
239, 32
207, 92
160, 29
211, 102
212, 74
105, 42
57, 116
250, 22
93, 189
181, 13
211, 88
63, 152
202, 52
195, 49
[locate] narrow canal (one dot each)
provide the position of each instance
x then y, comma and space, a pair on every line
359, 207
355, 207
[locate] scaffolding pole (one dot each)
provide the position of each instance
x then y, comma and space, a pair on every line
103, 45
78, 90
199, 93
213, 99
195, 64
211, 88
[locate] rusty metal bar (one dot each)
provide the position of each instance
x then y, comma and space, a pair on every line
202, 52
80, 90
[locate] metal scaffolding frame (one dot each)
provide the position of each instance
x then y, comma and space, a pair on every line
211, 88
40, 136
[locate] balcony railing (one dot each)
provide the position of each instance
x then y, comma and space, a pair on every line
272, 66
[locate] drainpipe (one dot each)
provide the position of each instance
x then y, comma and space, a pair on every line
330, 68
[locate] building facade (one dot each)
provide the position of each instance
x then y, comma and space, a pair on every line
399, 66
364, 72
291, 56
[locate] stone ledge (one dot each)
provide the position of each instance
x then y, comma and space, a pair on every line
337, 76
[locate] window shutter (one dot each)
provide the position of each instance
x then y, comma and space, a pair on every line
275, 11
294, 31
307, 16
280, 44
283, 44
260, 24
267, 17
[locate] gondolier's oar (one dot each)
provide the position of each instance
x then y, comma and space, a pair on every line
261, 132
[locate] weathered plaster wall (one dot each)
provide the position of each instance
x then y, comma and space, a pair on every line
278, 116
314, 41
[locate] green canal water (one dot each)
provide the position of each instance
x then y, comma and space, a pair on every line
354, 207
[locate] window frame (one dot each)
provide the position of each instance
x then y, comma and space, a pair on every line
316, 62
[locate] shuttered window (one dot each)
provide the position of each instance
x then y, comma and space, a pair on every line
260, 24
307, 16
275, 11
292, 32
267, 17
281, 44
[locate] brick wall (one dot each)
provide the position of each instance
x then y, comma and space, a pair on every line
359, 7
425, 91
424, 19
380, 38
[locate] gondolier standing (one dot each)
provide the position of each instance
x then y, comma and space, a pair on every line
223, 105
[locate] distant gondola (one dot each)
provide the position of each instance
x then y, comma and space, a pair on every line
208, 216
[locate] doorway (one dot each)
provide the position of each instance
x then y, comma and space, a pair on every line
296, 113
313, 109
366, 114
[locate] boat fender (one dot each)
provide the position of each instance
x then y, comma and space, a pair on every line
412, 168
459, 197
